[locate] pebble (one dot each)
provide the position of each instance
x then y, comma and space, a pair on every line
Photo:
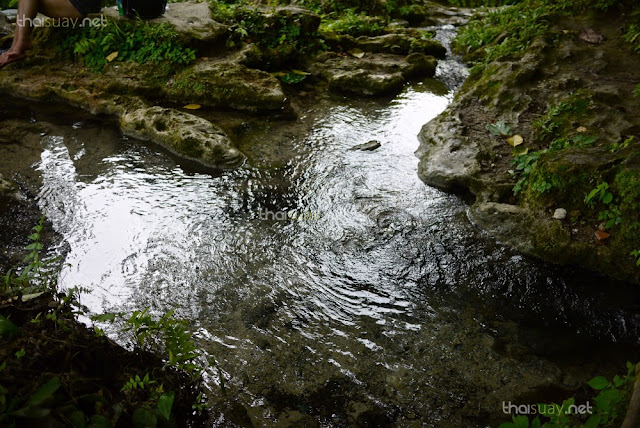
369, 146
560, 214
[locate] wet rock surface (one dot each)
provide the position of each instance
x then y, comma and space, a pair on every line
184, 134
457, 152
373, 74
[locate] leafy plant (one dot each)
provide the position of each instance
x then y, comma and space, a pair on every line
623, 145
355, 24
609, 406
524, 164
601, 193
500, 129
636, 255
137, 41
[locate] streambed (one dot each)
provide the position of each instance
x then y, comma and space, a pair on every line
331, 285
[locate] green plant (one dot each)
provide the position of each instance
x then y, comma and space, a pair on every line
636, 255
623, 145
636, 91
558, 116
608, 409
524, 164
38, 275
166, 332
612, 215
631, 35
500, 129
601, 193
353, 23
137, 41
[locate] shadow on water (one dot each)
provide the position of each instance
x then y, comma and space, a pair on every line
331, 285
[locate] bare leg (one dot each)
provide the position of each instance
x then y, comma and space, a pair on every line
27, 10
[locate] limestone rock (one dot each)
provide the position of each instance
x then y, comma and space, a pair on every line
368, 146
560, 214
448, 160
184, 134
5, 25
373, 74
227, 84
190, 19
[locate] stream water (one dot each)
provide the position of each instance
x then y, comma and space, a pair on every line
332, 286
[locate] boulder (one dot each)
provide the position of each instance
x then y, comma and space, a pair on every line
6, 28
190, 19
226, 84
184, 134
373, 74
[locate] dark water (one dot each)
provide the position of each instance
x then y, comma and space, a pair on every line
332, 286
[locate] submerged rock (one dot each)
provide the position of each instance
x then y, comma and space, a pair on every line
368, 146
227, 84
184, 134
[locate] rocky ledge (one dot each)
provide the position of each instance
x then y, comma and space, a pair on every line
571, 101
227, 73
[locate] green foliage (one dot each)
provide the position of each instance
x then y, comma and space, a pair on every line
636, 91
631, 35
169, 334
38, 275
502, 33
615, 147
354, 23
556, 120
500, 129
13, 411
293, 78
479, 3
636, 255
611, 213
136, 41
600, 194
609, 406
268, 30
524, 165
8, 4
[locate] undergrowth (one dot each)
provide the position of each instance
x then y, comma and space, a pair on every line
136, 41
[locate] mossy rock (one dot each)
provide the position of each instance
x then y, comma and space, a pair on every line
184, 134
227, 84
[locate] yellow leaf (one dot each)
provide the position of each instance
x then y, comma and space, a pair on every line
300, 72
581, 129
278, 73
357, 53
192, 106
514, 141
112, 56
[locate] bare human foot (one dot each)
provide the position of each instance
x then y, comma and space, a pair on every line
10, 56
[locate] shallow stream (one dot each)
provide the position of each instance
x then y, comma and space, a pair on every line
331, 285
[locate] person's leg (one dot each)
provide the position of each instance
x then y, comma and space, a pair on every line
27, 10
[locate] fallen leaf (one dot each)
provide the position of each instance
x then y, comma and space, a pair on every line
356, 53
278, 74
192, 106
112, 56
517, 151
601, 235
515, 140
27, 297
581, 129
205, 58
300, 72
